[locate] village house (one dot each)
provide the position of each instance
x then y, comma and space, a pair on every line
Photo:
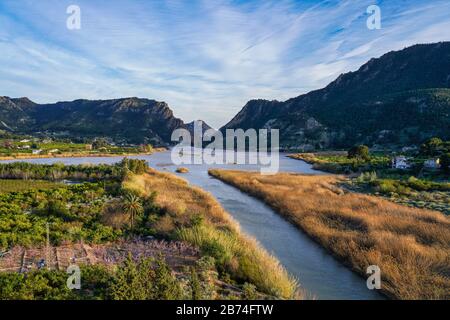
432, 163
400, 162
37, 151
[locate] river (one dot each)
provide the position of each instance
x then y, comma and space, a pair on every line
322, 276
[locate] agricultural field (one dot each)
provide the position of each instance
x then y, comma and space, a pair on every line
121, 221
11, 185
29, 147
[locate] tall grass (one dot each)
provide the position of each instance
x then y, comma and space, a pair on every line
411, 246
194, 216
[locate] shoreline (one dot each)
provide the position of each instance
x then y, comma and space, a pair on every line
79, 155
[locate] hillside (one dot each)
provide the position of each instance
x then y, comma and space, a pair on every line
131, 120
398, 99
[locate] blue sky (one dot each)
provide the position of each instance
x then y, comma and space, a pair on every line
205, 58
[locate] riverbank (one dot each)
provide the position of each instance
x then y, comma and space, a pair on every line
337, 162
411, 246
77, 155
415, 187
194, 216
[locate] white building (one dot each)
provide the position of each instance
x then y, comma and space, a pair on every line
432, 164
400, 162
37, 151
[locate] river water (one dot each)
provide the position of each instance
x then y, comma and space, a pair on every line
322, 276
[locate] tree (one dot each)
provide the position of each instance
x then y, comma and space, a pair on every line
360, 152
99, 143
166, 285
432, 147
147, 148
445, 162
133, 281
132, 205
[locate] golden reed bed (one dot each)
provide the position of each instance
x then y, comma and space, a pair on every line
411, 246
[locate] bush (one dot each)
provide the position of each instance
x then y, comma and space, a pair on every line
360, 152
148, 279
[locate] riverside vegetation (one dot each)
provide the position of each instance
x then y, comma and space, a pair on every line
111, 203
192, 215
23, 147
416, 186
411, 246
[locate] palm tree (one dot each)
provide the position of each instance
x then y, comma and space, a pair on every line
132, 205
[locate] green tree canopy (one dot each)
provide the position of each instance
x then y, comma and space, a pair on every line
432, 147
360, 152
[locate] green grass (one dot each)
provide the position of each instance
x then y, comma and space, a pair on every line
12, 185
406, 190
340, 163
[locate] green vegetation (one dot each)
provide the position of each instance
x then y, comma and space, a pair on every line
25, 185
73, 212
146, 279
190, 215
416, 186
58, 171
360, 152
23, 146
132, 206
410, 191
340, 162
434, 147
108, 206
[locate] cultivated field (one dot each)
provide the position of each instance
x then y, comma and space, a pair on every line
411, 246
19, 259
12, 185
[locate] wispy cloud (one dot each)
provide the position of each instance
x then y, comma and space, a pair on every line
205, 58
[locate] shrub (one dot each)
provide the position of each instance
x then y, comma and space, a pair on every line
249, 291
360, 152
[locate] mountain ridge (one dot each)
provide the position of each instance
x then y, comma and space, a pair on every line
132, 119
411, 85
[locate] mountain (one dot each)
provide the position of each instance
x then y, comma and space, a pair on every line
203, 124
131, 120
398, 99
